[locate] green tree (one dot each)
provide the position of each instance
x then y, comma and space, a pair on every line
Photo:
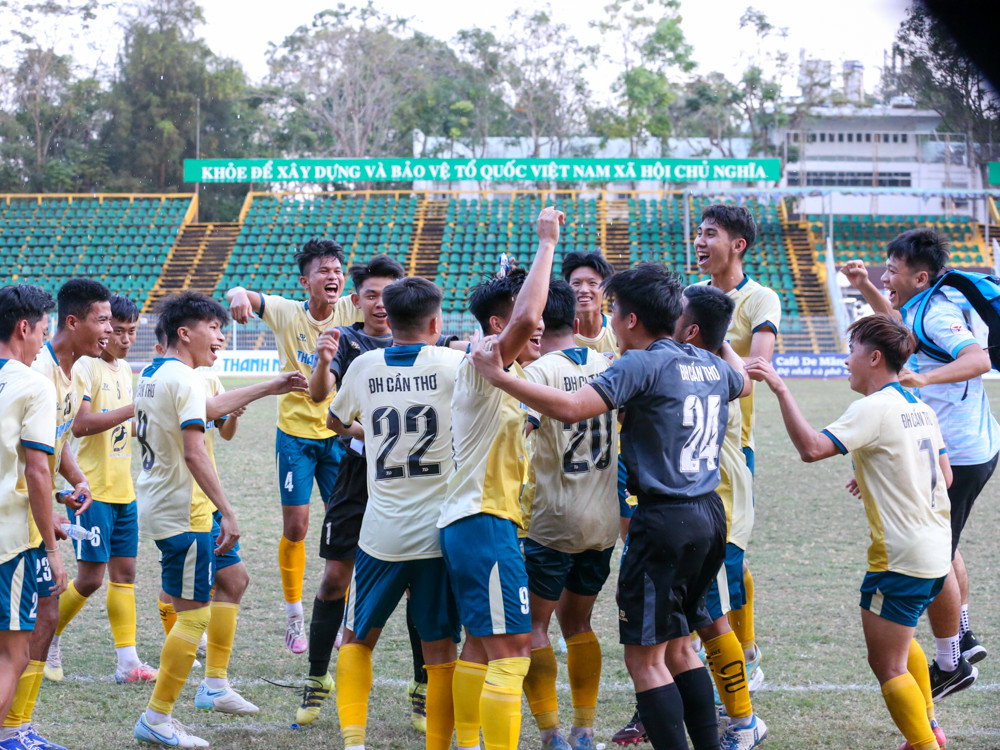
759, 92
938, 74
644, 40
709, 107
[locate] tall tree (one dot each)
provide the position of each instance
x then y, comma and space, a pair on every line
709, 107
939, 75
646, 43
759, 91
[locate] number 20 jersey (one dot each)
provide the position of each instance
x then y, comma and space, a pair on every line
168, 397
402, 396
573, 477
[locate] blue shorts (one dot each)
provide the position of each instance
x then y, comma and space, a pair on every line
117, 529
302, 460
43, 573
230, 558
188, 562
18, 593
487, 575
550, 571
727, 591
624, 509
898, 598
378, 585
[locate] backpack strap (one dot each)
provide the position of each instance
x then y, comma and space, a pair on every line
924, 342
983, 293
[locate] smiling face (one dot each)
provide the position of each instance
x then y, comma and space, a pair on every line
324, 279
715, 251
123, 334
586, 283
902, 281
369, 301
204, 339
90, 333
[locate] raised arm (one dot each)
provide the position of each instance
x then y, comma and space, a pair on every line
243, 303
89, 422
811, 445
531, 300
230, 401
857, 274
200, 465
322, 380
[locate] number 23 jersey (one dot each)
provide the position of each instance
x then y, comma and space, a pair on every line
402, 397
169, 397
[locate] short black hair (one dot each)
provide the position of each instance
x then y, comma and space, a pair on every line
381, 266
22, 302
122, 308
495, 296
186, 309
736, 220
711, 309
76, 297
410, 303
160, 333
885, 334
560, 308
651, 292
594, 260
317, 248
921, 249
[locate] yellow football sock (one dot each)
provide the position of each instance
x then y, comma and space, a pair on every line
500, 703
906, 706
25, 686
121, 612
354, 683
725, 659
916, 665
540, 688
292, 561
221, 634
440, 707
36, 685
168, 616
71, 602
466, 689
177, 656
741, 620
583, 663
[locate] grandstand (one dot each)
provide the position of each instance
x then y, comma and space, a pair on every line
149, 245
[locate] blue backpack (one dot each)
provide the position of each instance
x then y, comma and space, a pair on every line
983, 293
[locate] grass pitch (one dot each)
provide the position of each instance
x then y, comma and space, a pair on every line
807, 556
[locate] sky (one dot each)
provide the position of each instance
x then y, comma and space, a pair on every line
845, 30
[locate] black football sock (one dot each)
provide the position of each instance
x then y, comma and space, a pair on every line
662, 714
419, 673
700, 717
326, 620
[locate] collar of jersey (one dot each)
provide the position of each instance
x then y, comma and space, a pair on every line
746, 278
48, 345
915, 299
161, 360
577, 354
3, 362
403, 355
910, 398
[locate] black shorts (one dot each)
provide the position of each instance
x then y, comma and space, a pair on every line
966, 484
674, 550
580, 573
345, 510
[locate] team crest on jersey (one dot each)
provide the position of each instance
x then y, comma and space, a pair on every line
302, 337
119, 438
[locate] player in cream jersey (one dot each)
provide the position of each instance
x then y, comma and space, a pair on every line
402, 396
170, 416
572, 491
902, 474
305, 449
83, 328
725, 235
27, 439
585, 273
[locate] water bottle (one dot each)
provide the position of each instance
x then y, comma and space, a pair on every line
78, 533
